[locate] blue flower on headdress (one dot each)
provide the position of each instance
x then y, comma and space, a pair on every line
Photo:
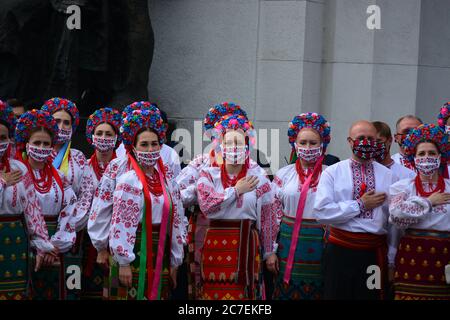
104, 115
310, 120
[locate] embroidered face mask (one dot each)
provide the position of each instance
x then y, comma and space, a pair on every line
402, 138
235, 154
3, 147
38, 154
147, 159
427, 165
64, 136
366, 149
309, 155
381, 152
104, 144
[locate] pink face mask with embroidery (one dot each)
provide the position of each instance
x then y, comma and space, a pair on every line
3, 147
64, 136
427, 165
235, 154
309, 155
104, 144
38, 154
147, 159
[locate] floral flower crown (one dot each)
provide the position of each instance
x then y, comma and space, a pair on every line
426, 133
7, 115
139, 119
104, 115
31, 120
309, 120
56, 104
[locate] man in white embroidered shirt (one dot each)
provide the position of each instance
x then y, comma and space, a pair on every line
404, 125
352, 201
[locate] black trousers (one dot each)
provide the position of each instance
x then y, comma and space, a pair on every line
345, 273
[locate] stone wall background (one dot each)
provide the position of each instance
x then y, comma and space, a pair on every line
279, 58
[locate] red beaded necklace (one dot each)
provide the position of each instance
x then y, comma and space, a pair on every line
231, 182
440, 187
98, 169
303, 176
44, 183
154, 183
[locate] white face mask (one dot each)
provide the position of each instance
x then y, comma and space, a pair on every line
3, 147
447, 129
64, 136
427, 165
235, 154
39, 154
147, 159
104, 144
309, 155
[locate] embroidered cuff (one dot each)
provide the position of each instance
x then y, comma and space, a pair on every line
361, 205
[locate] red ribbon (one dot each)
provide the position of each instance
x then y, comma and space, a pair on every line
148, 221
298, 221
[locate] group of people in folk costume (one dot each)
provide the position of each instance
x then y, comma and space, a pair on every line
122, 215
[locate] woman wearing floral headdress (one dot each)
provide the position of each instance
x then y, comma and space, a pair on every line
102, 205
300, 245
187, 181
146, 237
169, 156
68, 160
421, 206
102, 132
444, 124
443, 118
237, 200
36, 132
73, 164
21, 220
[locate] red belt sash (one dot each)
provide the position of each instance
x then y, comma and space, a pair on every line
363, 241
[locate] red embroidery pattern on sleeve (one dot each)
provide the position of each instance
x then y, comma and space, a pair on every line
278, 181
129, 189
269, 227
111, 170
260, 191
209, 199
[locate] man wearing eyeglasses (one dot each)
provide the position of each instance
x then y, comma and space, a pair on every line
403, 126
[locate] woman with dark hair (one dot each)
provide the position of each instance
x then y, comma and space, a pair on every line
146, 235
420, 206
36, 132
236, 198
298, 262
65, 158
169, 156
21, 221
187, 180
102, 132
73, 164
